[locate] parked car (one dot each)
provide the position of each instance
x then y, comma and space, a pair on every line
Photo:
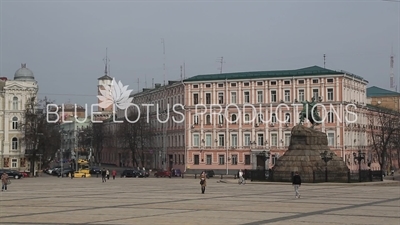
95, 170
25, 174
210, 173
176, 173
65, 173
12, 173
130, 173
143, 173
162, 173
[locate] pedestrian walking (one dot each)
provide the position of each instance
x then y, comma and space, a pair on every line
4, 181
203, 182
241, 178
108, 174
296, 184
114, 173
103, 175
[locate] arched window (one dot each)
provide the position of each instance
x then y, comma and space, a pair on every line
208, 119
15, 103
196, 119
287, 117
273, 118
330, 117
14, 144
234, 118
246, 118
14, 123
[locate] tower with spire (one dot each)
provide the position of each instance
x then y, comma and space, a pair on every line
104, 81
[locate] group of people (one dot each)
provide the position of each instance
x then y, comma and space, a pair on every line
105, 175
296, 181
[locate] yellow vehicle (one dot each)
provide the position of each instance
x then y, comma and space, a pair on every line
79, 174
83, 166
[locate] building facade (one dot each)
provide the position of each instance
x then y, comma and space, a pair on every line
383, 98
14, 96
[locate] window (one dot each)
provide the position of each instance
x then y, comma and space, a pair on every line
208, 85
315, 94
246, 140
273, 96
221, 159
273, 118
273, 82
287, 139
259, 83
246, 84
234, 140
14, 123
246, 118
260, 139
260, 118
301, 96
196, 140
330, 117
221, 98
220, 85
233, 118
196, 159
233, 97
15, 103
14, 144
208, 119
221, 119
233, 84
208, 140
221, 140
329, 80
209, 159
247, 159
330, 94
195, 86
315, 81
287, 117
208, 98
331, 139
287, 96
14, 163
246, 97
274, 139
301, 81
195, 98
260, 97
196, 119
234, 159
287, 82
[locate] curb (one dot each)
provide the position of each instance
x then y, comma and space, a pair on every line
382, 183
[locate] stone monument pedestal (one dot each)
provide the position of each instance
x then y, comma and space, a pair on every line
304, 157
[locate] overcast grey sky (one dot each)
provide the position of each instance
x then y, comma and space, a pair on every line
63, 42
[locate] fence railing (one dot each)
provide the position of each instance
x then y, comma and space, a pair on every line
315, 176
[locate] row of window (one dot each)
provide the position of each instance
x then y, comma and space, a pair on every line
221, 159
261, 83
260, 96
247, 140
179, 159
247, 119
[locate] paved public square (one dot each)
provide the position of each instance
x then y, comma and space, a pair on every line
52, 200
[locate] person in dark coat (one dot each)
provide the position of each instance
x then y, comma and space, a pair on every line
103, 175
203, 182
296, 184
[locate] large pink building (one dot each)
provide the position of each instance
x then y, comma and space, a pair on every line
230, 140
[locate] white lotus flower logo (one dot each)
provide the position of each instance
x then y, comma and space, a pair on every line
117, 95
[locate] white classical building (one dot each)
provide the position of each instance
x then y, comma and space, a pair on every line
14, 95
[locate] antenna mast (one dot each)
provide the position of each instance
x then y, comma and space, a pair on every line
181, 73
152, 82
221, 62
184, 72
106, 61
393, 86
324, 61
163, 43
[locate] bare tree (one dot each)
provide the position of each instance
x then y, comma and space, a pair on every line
384, 125
97, 138
128, 133
41, 138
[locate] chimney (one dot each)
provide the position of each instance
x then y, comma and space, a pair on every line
157, 85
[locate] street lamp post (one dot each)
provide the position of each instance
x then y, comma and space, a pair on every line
326, 157
359, 157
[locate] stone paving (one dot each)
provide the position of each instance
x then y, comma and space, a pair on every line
58, 201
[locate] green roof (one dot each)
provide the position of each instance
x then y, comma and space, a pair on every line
308, 71
380, 92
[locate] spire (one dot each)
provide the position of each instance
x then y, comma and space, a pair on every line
106, 60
